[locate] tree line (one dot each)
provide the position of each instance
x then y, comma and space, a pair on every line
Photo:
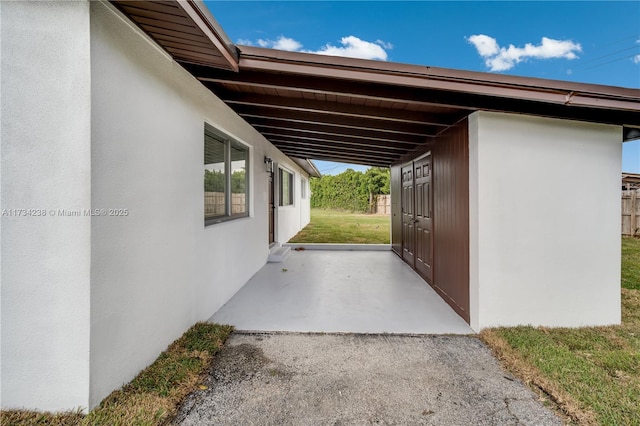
350, 190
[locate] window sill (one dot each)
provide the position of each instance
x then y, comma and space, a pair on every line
224, 219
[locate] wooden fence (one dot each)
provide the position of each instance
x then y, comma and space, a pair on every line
631, 213
214, 204
383, 205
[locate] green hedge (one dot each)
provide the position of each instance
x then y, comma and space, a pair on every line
350, 190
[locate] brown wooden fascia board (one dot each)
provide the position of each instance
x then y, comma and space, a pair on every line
202, 18
550, 91
436, 73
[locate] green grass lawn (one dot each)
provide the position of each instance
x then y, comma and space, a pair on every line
592, 373
631, 263
331, 226
151, 398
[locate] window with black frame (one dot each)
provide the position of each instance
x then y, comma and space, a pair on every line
226, 177
286, 187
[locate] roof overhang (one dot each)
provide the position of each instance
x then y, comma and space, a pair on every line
185, 29
365, 111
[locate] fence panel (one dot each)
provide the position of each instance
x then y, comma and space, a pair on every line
383, 205
631, 213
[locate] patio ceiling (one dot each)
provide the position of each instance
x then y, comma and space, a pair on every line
352, 110
375, 113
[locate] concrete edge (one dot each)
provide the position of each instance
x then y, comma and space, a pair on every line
348, 247
351, 333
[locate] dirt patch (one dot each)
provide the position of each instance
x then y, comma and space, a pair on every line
237, 363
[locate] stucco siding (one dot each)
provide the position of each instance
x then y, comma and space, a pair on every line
544, 221
292, 218
46, 168
158, 270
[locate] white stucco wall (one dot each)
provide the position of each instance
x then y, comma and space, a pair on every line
45, 133
291, 219
158, 270
544, 221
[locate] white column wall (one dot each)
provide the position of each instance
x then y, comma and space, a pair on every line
305, 203
45, 133
544, 221
158, 270
291, 219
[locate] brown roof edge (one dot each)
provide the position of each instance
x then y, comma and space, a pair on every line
308, 166
535, 89
202, 17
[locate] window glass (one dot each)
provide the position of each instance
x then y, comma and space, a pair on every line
214, 177
286, 187
238, 179
226, 177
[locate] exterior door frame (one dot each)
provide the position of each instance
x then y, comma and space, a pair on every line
271, 206
417, 245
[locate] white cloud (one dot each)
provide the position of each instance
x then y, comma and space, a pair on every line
353, 47
502, 59
350, 46
282, 43
636, 59
486, 46
244, 42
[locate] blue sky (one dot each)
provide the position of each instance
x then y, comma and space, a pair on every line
582, 41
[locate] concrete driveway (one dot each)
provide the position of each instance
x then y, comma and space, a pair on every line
355, 379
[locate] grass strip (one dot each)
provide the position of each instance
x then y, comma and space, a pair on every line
631, 263
152, 397
591, 373
337, 227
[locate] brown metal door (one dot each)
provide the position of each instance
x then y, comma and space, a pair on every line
272, 207
423, 217
408, 219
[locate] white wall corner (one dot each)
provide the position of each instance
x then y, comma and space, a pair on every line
546, 199
46, 185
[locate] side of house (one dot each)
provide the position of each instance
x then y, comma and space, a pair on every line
105, 133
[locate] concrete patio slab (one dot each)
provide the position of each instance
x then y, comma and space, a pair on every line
340, 291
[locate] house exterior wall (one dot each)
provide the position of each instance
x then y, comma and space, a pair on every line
45, 152
544, 221
96, 116
158, 270
291, 219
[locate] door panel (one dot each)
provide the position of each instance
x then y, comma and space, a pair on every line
408, 229
423, 218
272, 208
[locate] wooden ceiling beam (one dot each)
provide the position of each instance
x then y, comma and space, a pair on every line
331, 137
338, 108
350, 122
339, 157
252, 79
336, 144
338, 129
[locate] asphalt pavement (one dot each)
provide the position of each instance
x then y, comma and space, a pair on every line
356, 379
